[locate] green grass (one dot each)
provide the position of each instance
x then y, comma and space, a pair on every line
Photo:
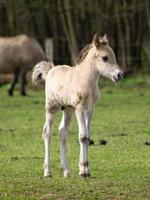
120, 170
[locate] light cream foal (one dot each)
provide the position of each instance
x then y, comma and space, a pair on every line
75, 89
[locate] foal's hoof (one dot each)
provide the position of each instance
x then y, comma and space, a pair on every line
47, 174
66, 173
85, 175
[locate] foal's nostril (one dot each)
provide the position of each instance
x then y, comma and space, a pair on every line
120, 75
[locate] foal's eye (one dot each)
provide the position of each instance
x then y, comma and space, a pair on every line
105, 58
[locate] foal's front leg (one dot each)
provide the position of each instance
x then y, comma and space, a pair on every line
47, 132
84, 136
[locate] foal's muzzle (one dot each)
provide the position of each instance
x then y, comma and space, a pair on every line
118, 77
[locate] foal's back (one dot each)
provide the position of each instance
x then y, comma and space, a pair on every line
60, 77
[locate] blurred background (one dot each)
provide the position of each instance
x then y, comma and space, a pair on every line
68, 25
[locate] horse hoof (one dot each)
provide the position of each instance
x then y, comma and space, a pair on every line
47, 174
66, 173
23, 94
10, 93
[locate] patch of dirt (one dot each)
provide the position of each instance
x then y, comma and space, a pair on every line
109, 197
103, 142
24, 158
2, 147
1, 195
147, 143
36, 102
7, 130
91, 142
14, 158
109, 91
141, 94
51, 196
119, 134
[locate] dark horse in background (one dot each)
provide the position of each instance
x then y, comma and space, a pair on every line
17, 56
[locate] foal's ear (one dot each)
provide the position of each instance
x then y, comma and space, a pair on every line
96, 40
104, 39
99, 40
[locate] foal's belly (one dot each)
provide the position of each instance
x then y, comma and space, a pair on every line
60, 88
59, 98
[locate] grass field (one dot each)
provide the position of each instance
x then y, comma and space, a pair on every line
120, 170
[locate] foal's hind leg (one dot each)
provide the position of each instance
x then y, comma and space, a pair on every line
15, 79
63, 130
47, 132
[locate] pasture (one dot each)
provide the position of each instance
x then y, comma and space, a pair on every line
120, 169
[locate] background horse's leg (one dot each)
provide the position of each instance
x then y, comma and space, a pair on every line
15, 80
22, 81
83, 140
63, 130
47, 132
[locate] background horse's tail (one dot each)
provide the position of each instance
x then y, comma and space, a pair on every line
40, 72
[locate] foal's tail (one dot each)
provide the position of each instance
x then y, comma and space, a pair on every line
40, 72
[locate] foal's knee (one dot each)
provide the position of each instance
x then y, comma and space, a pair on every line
45, 133
84, 139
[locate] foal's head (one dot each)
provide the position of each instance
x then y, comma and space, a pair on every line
102, 57
105, 59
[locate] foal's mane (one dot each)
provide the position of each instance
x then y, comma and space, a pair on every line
83, 53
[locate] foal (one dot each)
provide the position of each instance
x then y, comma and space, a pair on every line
75, 89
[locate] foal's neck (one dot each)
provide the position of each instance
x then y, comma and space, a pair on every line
88, 71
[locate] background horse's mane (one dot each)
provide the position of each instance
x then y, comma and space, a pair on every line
83, 53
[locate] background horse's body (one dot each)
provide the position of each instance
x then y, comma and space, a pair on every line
18, 55
75, 89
